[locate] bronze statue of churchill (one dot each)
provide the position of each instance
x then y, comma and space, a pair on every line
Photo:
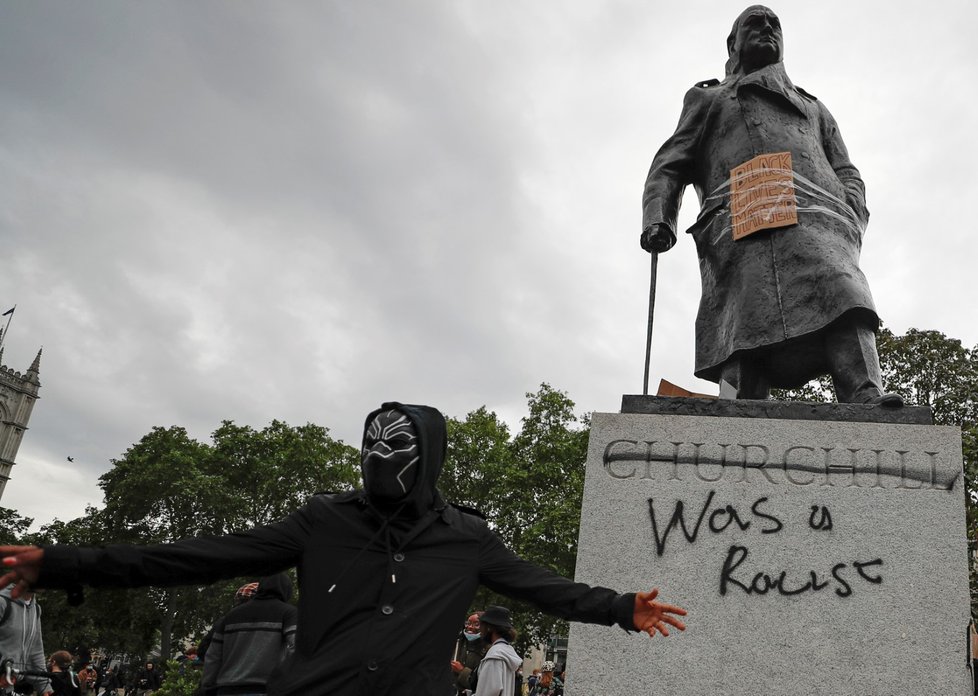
783, 305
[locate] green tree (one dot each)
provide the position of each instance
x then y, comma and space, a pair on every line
529, 487
165, 488
169, 486
179, 680
273, 471
13, 526
118, 620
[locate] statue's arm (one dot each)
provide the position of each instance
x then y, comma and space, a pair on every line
845, 170
671, 171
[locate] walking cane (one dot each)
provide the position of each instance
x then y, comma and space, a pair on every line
648, 338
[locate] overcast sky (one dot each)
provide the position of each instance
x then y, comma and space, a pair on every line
264, 210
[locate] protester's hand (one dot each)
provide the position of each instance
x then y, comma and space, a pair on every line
457, 666
22, 565
651, 616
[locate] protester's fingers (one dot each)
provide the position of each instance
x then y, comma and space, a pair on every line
21, 555
672, 621
670, 609
9, 550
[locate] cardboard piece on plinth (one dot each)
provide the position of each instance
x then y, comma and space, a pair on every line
844, 545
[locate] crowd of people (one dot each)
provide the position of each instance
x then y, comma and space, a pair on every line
485, 663
64, 674
242, 649
26, 669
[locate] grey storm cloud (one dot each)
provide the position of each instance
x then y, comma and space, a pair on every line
251, 210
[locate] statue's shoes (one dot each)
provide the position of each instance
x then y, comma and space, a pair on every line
889, 400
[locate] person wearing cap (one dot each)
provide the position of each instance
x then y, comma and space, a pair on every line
497, 671
245, 593
384, 572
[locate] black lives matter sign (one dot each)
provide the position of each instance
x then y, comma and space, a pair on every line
762, 194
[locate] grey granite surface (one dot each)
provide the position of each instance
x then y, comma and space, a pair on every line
814, 557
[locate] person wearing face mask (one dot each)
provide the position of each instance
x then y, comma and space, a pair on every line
469, 649
383, 572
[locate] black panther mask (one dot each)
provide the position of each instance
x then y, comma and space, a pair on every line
390, 456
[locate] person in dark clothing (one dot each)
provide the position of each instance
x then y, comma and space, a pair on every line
149, 680
385, 571
251, 640
245, 593
114, 682
469, 650
62, 681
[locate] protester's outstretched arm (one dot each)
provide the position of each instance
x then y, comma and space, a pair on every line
21, 565
652, 616
195, 560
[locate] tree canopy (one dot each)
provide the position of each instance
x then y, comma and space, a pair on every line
529, 487
169, 486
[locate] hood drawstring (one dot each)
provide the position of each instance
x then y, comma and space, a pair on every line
390, 557
384, 528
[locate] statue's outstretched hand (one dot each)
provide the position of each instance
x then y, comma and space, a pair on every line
21, 565
657, 239
651, 616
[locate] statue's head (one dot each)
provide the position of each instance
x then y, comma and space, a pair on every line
755, 41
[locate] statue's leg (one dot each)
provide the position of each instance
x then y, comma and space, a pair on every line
854, 363
747, 377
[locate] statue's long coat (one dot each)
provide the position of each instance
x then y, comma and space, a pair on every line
775, 285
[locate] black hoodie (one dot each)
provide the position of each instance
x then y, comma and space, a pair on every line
383, 591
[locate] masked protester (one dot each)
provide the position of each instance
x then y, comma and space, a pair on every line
62, 681
469, 649
384, 572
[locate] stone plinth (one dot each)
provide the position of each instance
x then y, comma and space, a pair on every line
814, 557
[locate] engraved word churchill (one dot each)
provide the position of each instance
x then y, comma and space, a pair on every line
796, 465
